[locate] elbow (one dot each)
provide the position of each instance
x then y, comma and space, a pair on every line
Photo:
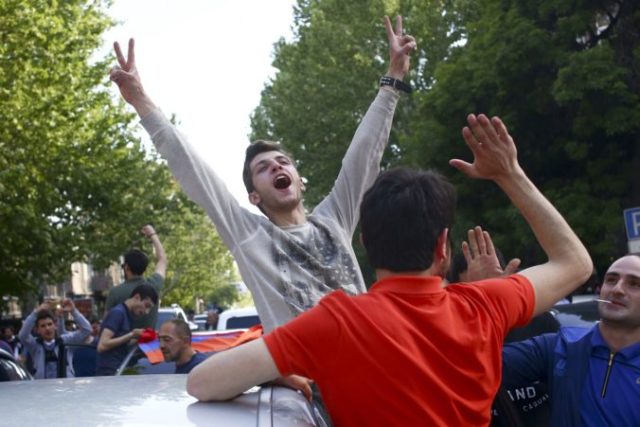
193, 386
198, 387
586, 268
582, 265
203, 387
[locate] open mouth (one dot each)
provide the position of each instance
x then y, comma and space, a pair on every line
281, 182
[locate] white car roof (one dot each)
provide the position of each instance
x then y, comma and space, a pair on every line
145, 400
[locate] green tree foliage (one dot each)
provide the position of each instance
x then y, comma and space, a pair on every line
69, 167
75, 183
563, 75
200, 265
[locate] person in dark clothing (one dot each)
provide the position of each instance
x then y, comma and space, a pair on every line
117, 332
175, 343
527, 404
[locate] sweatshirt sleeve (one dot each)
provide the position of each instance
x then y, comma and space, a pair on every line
25, 332
84, 329
199, 181
361, 163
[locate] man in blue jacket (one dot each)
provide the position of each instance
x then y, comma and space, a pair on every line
50, 357
593, 374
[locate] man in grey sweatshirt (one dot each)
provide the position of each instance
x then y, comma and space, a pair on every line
288, 259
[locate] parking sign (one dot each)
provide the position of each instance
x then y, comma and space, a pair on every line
632, 223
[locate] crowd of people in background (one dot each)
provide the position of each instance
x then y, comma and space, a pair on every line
433, 341
57, 341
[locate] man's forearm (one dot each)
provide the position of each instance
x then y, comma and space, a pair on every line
161, 263
106, 344
81, 321
569, 260
231, 372
25, 332
143, 104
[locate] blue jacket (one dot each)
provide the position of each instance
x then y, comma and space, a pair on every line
562, 360
37, 351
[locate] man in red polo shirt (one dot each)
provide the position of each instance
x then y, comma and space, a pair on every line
411, 351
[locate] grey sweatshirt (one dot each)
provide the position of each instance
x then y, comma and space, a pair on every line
287, 269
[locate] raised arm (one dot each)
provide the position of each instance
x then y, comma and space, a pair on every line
27, 326
158, 249
196, 177
495, 158
126, 76
84, 327
361, 163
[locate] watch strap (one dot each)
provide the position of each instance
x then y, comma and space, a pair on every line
395, 83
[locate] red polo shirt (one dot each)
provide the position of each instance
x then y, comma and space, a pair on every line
407, 353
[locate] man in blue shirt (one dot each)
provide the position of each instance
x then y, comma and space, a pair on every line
593, 374
175, 343
117, 333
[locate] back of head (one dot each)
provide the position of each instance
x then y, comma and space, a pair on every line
458, 266
255, 148
402, 215
145, 291
137, 261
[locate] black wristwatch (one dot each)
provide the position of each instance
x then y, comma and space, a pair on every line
395, 83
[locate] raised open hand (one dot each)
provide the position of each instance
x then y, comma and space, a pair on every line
482, 258
494, 153
400, 46
126, 76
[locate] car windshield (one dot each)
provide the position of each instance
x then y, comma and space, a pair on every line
242, 322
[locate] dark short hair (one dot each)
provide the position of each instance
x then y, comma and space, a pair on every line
182, 328
458, 265
145, 291
255, 148
45, 314
137, 261
402, 216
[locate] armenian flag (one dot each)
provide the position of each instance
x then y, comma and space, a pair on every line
206, 342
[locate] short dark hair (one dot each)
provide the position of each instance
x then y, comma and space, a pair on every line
45, 314
137, 261
145, 291
182, 328
402, 215
255, 148
458, 265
